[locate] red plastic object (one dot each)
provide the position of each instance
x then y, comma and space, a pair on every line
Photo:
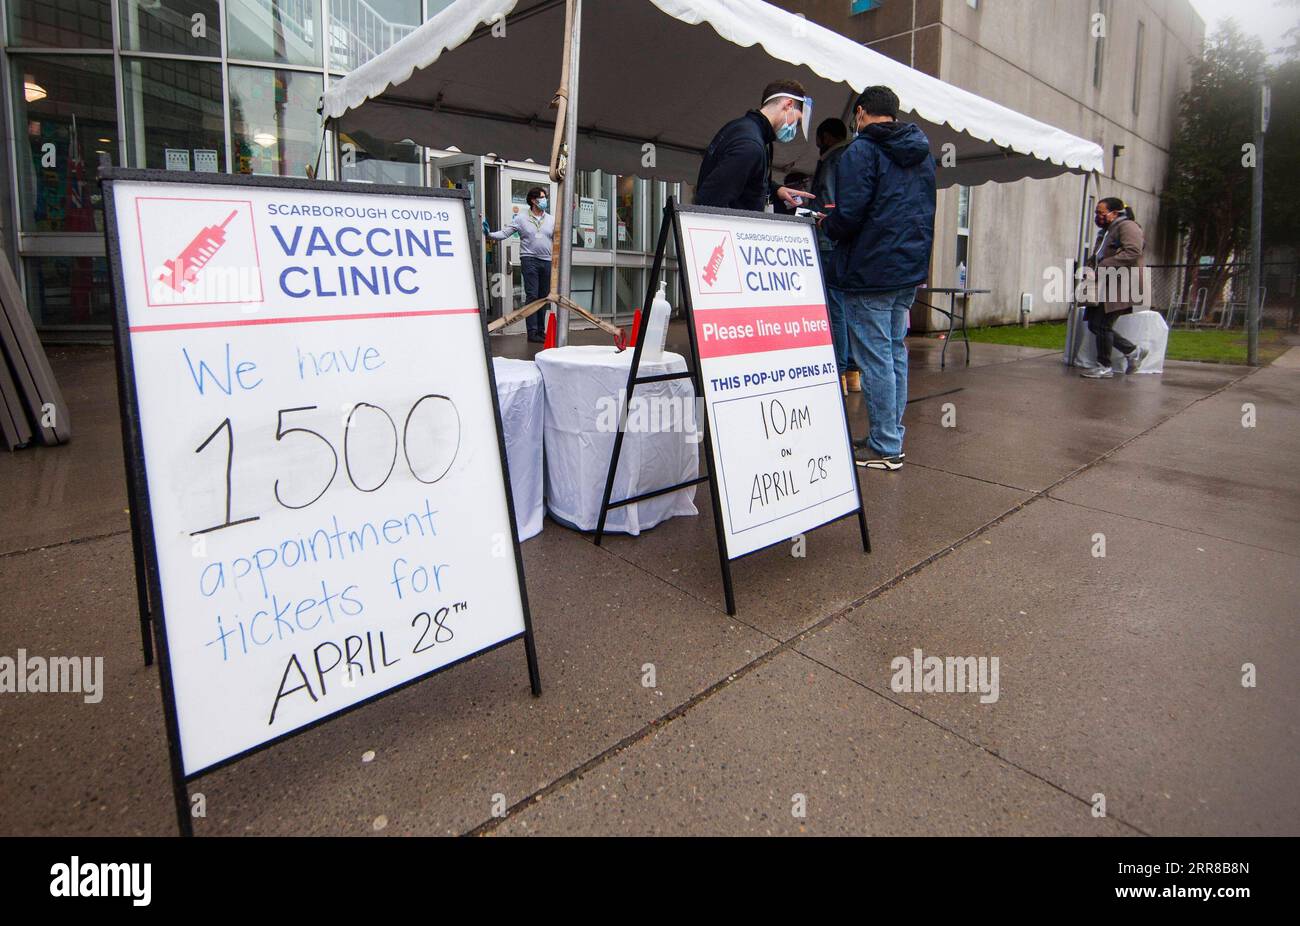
550, 331
636, 328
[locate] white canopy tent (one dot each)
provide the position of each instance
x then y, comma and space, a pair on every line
667, 73
657, 79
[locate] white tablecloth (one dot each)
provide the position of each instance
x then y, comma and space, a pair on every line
522, 397
1145, 329
583, 385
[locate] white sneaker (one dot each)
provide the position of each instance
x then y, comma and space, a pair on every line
1098, 373
1135, 360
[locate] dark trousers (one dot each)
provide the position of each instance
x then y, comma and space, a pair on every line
1102, 325
537, 283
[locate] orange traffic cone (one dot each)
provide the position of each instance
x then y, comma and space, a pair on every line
550, 331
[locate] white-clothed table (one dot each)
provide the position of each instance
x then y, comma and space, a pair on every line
1145, 329
583, 387
522, 396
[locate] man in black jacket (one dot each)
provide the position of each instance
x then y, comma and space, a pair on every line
737, 168
883, 228
832, 139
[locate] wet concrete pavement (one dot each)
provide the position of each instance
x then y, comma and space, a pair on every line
1120, 676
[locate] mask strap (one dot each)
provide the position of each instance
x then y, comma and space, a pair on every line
805, 103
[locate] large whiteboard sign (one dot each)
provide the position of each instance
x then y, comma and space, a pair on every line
325, 480
772, 390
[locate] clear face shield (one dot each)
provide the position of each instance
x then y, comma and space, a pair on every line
805, 101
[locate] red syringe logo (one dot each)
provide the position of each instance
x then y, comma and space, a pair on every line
184, 269
715, 262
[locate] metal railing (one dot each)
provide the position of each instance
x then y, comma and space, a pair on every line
358, 33
1217, 295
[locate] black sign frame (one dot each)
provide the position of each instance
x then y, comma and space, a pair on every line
670, 225
137, 481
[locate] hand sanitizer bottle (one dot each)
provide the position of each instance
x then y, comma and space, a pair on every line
656, 327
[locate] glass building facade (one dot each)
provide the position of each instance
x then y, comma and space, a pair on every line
226, 86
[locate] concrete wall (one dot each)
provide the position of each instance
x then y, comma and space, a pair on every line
1037, 56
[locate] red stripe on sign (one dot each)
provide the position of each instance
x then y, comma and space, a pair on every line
240, 322
759, 329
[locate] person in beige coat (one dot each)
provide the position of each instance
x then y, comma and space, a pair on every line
1122, 244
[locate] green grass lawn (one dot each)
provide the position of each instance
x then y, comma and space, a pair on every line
1209, 346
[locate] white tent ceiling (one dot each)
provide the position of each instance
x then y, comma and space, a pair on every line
668, 73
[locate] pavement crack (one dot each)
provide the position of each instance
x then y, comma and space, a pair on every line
790, 645
65, 543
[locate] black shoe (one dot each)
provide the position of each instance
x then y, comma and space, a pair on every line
864, 443
537, 339
869, 459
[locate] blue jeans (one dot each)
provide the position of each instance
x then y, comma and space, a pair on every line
537, 283
839, 322
877, 328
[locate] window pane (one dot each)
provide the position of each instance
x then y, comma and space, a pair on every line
630, 208
284, 31
69, 291
364, 157
61, 23
361, 29
592, 226
183, 27
631, 291
662, 191
173, 115
589, 288
65, 113
274, 126
1137, 68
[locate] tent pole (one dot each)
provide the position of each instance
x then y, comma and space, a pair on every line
568, 184
1083, 220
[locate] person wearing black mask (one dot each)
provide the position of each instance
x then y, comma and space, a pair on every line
1120, 244
832, 139
737, 168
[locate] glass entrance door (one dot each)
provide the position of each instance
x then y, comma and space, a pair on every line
465, 172
514, 187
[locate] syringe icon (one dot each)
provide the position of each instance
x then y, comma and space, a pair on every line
714, 264
185, 268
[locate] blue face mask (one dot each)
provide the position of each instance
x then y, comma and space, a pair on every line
787, 132
543, 204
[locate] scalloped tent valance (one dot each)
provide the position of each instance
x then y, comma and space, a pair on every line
666, 73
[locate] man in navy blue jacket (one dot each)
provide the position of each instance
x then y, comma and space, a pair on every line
883, 229
736, 172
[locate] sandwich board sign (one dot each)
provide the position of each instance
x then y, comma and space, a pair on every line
314, 446
780, 456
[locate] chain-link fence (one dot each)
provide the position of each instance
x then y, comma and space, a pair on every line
1215, 295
